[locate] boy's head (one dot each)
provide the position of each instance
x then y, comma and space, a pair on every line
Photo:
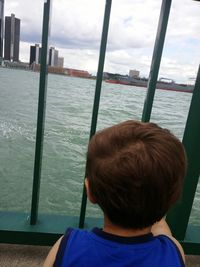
135, 172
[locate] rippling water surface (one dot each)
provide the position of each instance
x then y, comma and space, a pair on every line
68, 117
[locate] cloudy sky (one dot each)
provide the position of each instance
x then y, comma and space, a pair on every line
76, 27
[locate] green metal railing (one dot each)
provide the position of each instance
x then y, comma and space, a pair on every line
41, 114
97, 95
44, 230
181, 212
155, 63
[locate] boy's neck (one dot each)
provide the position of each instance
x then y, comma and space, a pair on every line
114, 229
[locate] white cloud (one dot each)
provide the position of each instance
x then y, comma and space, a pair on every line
184, 19
80, 59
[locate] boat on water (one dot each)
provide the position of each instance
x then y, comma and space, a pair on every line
163, 83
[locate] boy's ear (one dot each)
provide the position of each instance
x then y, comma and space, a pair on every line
90, 196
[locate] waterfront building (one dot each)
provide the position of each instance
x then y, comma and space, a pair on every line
16, 65
60, 62
78, 73
53, 57
12, 38
35, 54
134, 73
1, 26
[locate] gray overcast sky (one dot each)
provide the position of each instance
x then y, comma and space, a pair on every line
76, 32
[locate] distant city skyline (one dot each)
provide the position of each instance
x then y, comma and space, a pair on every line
10, 42
53, 59
76, 31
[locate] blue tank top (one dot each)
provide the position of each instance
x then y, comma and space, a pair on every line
81, 248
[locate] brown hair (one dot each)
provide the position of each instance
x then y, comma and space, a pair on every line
135, 172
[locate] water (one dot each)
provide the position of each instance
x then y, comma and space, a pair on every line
68, 117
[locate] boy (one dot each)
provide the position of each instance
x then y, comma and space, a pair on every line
134, 173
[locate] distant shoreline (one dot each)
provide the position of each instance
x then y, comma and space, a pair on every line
12, 67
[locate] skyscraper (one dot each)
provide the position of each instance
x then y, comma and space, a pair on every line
35, 54
12, 38
53, 57
60, 62
1, 26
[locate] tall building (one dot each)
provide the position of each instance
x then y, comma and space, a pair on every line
35, 54
53, 57
134, 73
60, 62
56, 58
12, 38
1, 26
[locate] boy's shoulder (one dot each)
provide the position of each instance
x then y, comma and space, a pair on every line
95, 240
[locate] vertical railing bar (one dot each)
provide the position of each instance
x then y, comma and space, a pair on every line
155, 63
97, 95
192, 146
41, 114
